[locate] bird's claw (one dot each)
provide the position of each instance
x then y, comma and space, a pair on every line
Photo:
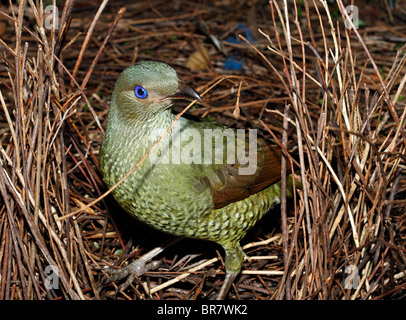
134, 270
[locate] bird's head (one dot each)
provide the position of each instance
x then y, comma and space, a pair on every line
146, 89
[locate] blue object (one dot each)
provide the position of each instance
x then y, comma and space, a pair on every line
140, 92
234, 63
234, 39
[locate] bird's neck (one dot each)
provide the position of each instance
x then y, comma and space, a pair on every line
133, 133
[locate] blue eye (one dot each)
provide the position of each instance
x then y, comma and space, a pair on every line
140, 92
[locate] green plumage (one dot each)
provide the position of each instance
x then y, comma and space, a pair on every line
174, 198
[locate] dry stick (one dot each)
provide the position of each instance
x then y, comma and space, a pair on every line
339, 184
67, 71
19, 248
319, 203
34, 231
121, 11
5, 272
95, 60
106, 39
183, 275
402, 118
9, 121
64, 23
299, 122
24, 27
40, 106
17, 195
51, 137
87, 39
14, 234
93, 65
211, 261
355, 234
236, 112
336, 58
293, 83
144, 157
82, 251
285, 233
21, 132
74, 126
80, 91
19, 81
281, 54
65, 18
378, 74
297, 224
62, 176
285, 67
49, 51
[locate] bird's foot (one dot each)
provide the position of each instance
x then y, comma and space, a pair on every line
228, 281
134, 270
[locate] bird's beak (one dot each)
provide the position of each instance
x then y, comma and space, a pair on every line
186, 92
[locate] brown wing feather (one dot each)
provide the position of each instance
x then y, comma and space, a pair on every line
236, 187
270, 172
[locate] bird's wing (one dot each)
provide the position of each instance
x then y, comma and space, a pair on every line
228, 183
257, 165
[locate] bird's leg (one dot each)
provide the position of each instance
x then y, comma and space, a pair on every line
137, 267
233, 262
228, 281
